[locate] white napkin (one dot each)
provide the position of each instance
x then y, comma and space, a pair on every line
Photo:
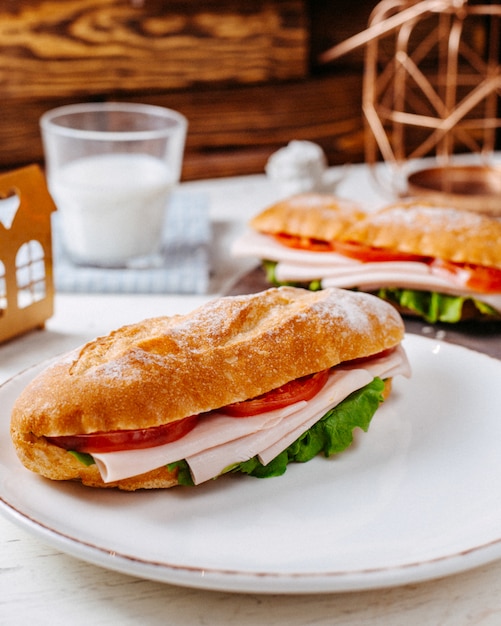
185, 259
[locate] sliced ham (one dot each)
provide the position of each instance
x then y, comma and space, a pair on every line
394, 364
420, 281
286, 271
219, 441
212, 462
336, 270
212, 430
375, 275
266, 247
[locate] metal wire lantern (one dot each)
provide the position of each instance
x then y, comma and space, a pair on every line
432, 82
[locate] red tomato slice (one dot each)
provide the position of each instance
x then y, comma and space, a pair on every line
368, 254
303, 243
351, 249
476, 277
116, 440
294, 391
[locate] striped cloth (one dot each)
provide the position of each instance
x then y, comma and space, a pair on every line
185, 261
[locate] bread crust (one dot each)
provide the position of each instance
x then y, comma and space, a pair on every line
314, 215
163, 369
422, 228
50, 461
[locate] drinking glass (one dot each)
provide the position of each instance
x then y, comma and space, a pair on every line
110, 168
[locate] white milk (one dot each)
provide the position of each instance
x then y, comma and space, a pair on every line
112, 206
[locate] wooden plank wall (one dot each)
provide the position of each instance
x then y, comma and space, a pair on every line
244, 73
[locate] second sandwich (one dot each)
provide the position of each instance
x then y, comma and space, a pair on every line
439, 263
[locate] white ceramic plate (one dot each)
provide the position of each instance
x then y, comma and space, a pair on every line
417, 497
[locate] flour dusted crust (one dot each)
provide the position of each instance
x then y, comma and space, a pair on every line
315, 215
443, 232
163, 369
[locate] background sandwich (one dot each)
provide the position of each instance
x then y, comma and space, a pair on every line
247, 383
440, 263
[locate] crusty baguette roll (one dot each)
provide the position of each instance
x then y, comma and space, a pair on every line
164, 369
314, 215
421, 228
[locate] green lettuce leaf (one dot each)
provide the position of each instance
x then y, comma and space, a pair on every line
83, 457
332, 434
183, 473
434, 307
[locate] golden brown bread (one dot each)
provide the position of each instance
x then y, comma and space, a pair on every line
442, 232
314, 215
163, 369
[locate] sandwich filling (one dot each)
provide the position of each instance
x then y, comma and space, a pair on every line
250, 436
392, 275
247, 383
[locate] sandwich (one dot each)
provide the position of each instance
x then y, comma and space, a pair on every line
438, 263
243, 384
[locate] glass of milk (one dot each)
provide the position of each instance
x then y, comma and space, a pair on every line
110, 168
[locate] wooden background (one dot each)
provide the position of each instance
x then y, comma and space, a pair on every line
244, 73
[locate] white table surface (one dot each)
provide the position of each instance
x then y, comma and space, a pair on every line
40, 585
